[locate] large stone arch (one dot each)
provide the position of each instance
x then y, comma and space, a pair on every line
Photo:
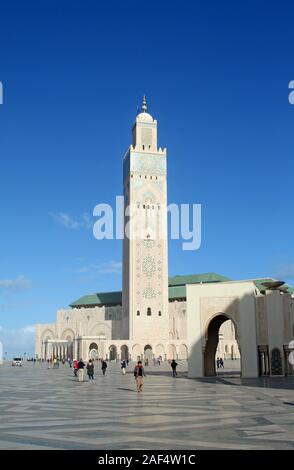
68, 333
137, 351
124, 352
148, 352
112, 352
212, 328
159, 351
183, 352
48, 334
93, 350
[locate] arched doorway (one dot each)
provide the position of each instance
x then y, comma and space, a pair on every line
183, 352
69, 348
148, 354
124, 353
211, 349
93, 351
171, 352
112, 352
137, 352
159, 352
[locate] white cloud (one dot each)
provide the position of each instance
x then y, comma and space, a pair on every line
110, 267
18, 341
67, 221
17, 284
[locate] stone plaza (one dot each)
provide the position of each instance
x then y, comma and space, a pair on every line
43, 408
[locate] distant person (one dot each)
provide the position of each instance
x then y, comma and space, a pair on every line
139, 374
90, 371
221, 362
103, 367
75, 367
123, 366
81, 366
173, 365
217, 363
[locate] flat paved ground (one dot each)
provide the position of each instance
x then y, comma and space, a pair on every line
44, 408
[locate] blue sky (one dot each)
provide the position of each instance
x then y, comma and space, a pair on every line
216, 77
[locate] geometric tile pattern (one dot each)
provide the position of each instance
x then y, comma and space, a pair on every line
44, 408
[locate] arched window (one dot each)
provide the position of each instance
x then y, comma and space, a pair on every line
138, 312
149, 312
159, 313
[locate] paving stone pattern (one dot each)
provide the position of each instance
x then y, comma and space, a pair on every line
43, 408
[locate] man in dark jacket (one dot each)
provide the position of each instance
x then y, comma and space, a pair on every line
103, 367
139, 373
174, 367
90, 370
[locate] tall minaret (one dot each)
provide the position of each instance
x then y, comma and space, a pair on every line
145, 269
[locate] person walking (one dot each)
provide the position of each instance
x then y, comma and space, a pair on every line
173, 365
139, 373
103, 367
90, 371
81, 366
75, 367
123, 366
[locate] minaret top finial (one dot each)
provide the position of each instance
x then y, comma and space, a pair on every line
144, 104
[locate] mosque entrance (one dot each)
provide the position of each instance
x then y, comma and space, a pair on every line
93, 351
124, 353
112, 353
148, 354
221, 359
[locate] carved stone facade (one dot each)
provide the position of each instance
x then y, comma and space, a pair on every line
263, 323
148, 320
145, 269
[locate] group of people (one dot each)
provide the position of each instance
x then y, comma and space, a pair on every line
220, 363
79, 368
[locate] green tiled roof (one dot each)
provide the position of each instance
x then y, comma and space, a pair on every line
177, 292
101, 298
196, 279
176, 289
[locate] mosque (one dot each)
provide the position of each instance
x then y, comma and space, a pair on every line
194, 317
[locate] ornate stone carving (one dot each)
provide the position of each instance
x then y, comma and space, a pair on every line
149, 293
149, 266
276, 362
